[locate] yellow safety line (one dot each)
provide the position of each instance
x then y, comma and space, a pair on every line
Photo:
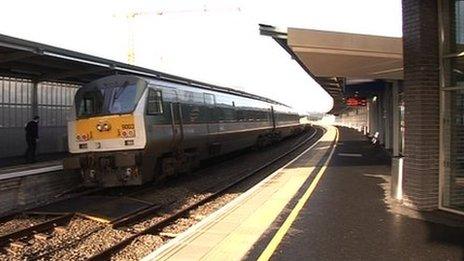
272, 246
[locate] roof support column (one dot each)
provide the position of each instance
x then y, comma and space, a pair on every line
421, 91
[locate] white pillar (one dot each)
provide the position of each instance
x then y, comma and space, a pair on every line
396, 119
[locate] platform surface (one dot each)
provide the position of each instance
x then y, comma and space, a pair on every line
347, 216
22, 170
232, 234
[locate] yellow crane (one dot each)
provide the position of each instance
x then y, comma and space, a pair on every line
131, 16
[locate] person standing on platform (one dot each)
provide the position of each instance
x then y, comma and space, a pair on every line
32, 136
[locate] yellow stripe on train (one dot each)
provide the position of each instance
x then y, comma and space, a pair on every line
105, 127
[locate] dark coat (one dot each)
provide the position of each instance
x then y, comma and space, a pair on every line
32, 130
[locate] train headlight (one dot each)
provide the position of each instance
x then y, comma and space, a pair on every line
103, 127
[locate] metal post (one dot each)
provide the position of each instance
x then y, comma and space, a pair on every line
387, 116
380, 118
396, 119
34, 99
397, 159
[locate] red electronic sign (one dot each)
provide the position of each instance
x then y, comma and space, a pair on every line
355, 101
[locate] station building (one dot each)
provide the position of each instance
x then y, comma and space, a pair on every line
413, 88
414, 92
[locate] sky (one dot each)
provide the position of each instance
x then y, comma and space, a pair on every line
212, 41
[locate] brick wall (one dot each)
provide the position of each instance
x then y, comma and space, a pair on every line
421, 97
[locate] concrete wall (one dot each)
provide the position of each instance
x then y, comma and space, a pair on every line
21, 193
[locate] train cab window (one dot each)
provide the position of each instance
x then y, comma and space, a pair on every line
91, 103
154, 102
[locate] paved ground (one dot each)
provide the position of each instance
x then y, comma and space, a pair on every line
346, 217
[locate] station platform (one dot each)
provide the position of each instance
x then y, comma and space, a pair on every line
330, 203
25, 169
18, 161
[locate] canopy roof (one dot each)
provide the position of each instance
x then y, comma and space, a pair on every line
40, 62
335, 59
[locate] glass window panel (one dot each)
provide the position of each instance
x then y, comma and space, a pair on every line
6, 92
68, 96
155, 102
49, 92
209, 99
1, 90
455, 76
2, 123
62, 95
453, 190
12, 90
40, 94
455, 30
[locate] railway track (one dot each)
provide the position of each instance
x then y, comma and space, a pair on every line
35, 229
124, 227
158, 226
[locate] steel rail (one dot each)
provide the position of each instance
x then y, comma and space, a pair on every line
41, 227
107, 253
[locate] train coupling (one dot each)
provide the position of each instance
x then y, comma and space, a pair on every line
107, 170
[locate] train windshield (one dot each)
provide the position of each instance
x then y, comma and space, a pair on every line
109, 100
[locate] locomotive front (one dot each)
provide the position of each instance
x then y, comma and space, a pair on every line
106, 131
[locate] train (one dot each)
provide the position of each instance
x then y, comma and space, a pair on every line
126, 130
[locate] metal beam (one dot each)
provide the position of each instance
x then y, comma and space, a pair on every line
66, 74
52, 63
13, 56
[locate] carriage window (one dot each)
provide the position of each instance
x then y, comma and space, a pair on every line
209, 99
155, 102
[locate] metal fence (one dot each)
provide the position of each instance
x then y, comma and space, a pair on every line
17, 107
54, 101
15, 102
